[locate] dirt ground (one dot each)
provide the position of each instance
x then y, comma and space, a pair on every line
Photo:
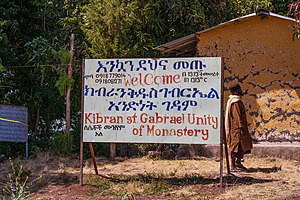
53, 177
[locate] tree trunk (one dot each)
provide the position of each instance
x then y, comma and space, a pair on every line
123, 149
112, 150
38, 112
186, 151
68, 95
37, 119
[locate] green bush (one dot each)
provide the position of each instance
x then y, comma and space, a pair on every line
17, 187
62, 143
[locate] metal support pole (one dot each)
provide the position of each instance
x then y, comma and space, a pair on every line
81, 126
221, 122
26, 151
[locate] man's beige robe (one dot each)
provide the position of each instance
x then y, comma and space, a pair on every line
238, 129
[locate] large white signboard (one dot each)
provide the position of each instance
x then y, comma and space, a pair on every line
166, 100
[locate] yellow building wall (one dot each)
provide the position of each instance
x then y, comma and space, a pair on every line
260, 55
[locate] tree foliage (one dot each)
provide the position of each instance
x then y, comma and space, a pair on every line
123, 28
295, 10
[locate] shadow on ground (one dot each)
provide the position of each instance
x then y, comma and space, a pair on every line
193, 179
61, 179
264, 170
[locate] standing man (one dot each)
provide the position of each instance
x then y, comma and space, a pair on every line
237, 134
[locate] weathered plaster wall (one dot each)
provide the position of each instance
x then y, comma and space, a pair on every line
259, 54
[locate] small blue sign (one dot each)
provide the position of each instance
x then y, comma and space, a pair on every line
13, 123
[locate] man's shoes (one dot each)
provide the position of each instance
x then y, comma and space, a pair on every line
240, 166
234, 169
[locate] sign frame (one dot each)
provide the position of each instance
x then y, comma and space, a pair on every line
144, 100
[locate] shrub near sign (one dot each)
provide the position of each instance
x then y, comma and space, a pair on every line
167, 100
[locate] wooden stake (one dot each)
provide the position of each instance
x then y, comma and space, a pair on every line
93, 157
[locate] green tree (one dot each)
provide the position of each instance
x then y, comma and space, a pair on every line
123, 28
30, 42
294, 9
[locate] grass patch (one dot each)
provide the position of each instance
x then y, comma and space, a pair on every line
143, 178
124, 184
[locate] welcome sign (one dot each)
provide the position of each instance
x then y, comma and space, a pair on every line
166, 100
